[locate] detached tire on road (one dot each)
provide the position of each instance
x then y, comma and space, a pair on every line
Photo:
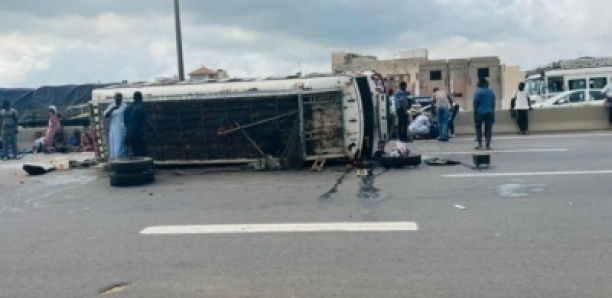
137, 179
131, 166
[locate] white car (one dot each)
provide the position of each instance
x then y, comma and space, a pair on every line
574, 98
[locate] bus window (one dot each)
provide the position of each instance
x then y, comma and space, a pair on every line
577, 84
534, 86
555, 84
597, 83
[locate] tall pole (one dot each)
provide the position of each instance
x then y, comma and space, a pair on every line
179, 41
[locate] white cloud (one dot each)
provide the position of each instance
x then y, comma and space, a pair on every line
111, 41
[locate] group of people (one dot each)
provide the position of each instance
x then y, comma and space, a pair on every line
127, 127
445, 109
53, 138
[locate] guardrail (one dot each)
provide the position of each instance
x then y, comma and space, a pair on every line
542, 120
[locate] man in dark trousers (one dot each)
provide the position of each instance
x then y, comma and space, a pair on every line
484, 112
402, 104
8, 126
136, 121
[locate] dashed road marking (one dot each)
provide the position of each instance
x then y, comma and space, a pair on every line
602, 172
283, 228
501, 151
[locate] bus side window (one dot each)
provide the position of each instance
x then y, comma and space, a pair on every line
555, 84
577, 84
597, 83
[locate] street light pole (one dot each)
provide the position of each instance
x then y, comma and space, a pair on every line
179, 41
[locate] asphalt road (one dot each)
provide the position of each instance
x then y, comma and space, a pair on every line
544, 230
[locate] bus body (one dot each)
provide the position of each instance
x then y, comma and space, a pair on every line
552, 82
296, 118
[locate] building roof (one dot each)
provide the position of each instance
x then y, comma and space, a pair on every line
202, 71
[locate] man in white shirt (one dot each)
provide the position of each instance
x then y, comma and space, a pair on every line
420, 126
607, 91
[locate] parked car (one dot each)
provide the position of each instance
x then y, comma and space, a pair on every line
422, 101
574, 98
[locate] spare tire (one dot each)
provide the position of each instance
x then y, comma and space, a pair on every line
137, 179
131, 166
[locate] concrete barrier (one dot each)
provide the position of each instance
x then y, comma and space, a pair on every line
542, 120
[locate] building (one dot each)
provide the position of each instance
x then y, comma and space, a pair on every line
204, 73
458, 76
512, 75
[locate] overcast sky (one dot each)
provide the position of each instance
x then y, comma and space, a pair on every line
44, 42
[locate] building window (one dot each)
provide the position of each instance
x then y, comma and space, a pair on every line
435, 75
483, 72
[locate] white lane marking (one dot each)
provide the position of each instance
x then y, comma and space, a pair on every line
283, 228
553, 136
603, 172
501, 151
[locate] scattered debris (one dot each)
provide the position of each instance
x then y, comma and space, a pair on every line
37, 169
115, 288
461, 207
436, 161
481, 161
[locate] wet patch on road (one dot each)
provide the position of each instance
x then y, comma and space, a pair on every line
329, 196
517, 190
370, 198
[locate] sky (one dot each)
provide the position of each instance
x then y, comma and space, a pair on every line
44, 42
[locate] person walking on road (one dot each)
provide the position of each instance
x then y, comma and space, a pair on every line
136, 121
607, 92
402, 104
520, 106
117, 131
484, 113
443, 103
8, 124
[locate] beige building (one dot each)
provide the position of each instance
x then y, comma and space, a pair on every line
512, 75
458, 76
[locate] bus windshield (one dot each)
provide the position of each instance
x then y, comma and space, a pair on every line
534, 86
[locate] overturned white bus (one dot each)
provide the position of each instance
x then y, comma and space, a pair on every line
296, 119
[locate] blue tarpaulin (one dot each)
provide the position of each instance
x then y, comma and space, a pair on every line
34, 103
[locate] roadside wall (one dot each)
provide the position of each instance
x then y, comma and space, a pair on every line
542, 120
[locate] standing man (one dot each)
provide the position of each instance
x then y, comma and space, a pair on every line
484, 112
402, 103
443, 103
521, 105
136, 119
8, 123
117, 132
607, 92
